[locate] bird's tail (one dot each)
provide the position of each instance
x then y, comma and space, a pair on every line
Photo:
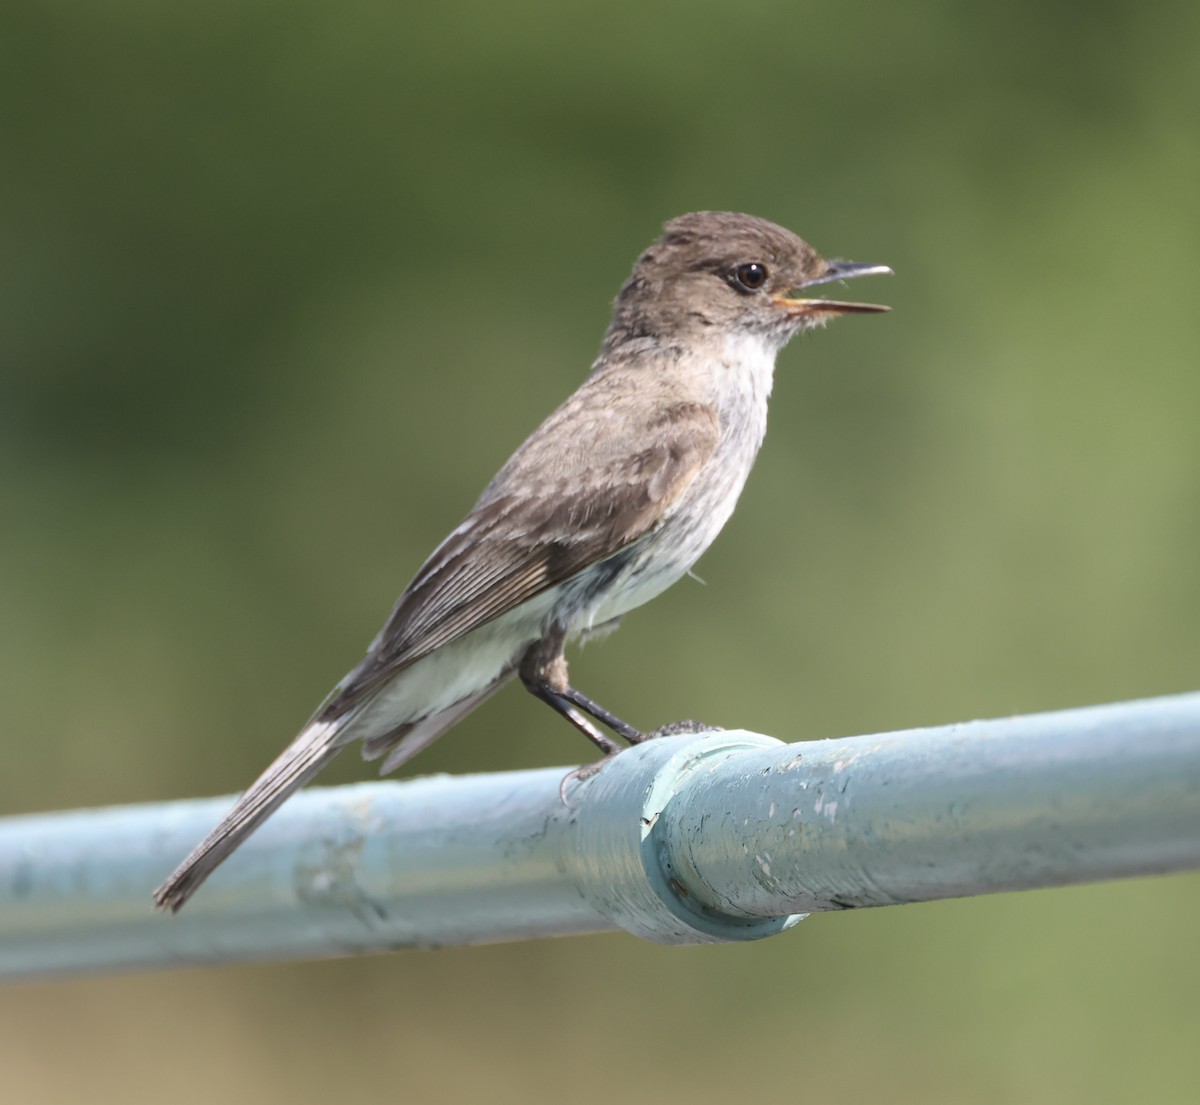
316, 745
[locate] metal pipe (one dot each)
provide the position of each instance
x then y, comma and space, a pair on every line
728, 836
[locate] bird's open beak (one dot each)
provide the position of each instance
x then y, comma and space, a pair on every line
835, 270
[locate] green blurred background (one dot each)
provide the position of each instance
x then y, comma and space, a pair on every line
282, 284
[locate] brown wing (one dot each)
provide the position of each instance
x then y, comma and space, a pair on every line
548, 515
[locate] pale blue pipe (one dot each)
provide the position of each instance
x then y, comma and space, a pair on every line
688, 839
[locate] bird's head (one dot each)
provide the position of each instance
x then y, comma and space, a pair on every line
726, 273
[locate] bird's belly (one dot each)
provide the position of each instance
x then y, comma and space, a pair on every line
648, 567
643, 581
637, 574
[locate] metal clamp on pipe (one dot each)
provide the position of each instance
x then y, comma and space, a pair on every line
626, 853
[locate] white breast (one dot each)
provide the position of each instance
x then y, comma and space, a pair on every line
740, 378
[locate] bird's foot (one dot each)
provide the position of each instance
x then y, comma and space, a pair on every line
671, 729
675, 728
579, 775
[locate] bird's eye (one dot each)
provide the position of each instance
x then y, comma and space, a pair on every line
751, 276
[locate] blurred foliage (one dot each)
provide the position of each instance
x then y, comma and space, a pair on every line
282, 284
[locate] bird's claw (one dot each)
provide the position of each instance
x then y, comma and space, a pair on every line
578, 776
671, 729
675, 728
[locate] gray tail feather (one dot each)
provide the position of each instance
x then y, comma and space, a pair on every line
316, 745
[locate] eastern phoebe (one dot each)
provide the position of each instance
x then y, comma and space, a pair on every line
610, 501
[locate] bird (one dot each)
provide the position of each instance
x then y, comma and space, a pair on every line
607, 503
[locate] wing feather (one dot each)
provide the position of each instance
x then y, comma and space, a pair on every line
544, 519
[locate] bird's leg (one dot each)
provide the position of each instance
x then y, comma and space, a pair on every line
622, 728
542, 690
544, 672
590, 706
